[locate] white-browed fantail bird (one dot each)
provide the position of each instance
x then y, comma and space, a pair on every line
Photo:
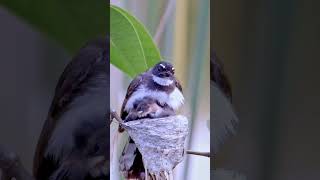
157, 87
222, 114
73, 144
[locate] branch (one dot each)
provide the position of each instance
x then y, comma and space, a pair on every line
11, 166
114, 115
205, 154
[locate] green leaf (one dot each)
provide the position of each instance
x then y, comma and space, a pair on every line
71, 23
132, 49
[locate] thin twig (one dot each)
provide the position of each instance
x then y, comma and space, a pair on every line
206, 154
114, 115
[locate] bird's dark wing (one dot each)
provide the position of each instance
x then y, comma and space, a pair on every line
89, 161
218, 75
223, 116
131, 164
69, 85
178, 85
224, 119
131, 89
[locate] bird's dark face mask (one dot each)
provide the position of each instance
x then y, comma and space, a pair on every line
163, 73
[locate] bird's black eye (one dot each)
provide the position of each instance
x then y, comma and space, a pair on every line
173, 70
135, 105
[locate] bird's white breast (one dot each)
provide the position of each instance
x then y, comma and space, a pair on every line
174, 99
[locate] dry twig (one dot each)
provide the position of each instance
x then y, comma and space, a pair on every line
114, 115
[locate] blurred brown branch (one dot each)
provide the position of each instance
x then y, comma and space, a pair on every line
114, 115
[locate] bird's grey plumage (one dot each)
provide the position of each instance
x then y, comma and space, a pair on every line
77, 113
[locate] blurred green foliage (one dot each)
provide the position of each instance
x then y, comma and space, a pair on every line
132, 49
71, 23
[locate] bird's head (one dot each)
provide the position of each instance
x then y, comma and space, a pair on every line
163, 73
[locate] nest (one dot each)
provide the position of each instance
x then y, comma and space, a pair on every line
161, 142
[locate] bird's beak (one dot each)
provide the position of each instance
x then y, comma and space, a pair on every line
166, 74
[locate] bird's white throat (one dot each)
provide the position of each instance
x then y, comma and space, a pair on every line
162, 81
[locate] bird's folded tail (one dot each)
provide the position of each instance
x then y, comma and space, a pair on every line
70, 170
131, 164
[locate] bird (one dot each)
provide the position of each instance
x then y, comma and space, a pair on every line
73, 143
223, 116
156, 84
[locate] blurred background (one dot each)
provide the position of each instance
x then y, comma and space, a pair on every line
181, 31
37, 40
270, 50
30, 66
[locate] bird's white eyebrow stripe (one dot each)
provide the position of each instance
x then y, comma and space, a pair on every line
162, 65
